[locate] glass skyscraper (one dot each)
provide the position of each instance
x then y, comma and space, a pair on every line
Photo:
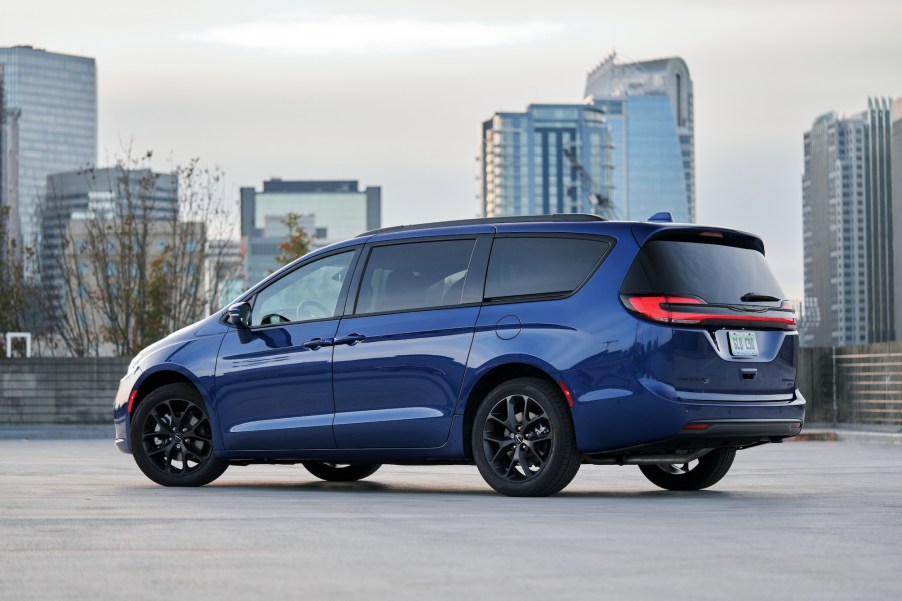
53, 99
553, 158
848, 217
626, 152
649, 108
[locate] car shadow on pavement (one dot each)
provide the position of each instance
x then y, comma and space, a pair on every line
373, 487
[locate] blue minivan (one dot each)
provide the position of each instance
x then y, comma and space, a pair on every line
526, 345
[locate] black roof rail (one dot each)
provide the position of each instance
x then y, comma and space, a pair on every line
556, 217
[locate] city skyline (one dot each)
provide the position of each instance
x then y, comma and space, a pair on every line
227, 83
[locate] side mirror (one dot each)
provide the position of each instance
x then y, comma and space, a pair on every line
240, 315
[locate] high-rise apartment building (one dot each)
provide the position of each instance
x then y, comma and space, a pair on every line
51, 101
553, 158
848, 229
330, 211
833, 215
649, 108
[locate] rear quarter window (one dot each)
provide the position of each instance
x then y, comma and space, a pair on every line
524, 266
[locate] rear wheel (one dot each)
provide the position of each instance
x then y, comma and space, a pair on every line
172, 439
523, 440
341, 472
695, 475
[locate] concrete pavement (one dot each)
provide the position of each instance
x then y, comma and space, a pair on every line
820, 520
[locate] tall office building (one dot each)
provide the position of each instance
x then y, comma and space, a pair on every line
649, 108
553, 158
848, 221
330, 211
51, 101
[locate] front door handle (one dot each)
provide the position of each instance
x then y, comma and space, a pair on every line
316, 343
350, 339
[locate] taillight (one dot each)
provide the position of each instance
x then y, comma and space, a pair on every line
689, 311
653, 307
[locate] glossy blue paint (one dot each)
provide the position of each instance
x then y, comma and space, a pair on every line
407, 374
186, 353
273, 392
401, 392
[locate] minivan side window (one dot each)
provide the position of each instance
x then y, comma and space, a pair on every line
540, 265
414, 275
307, 293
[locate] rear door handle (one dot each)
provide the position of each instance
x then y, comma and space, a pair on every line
316, 343
350, 339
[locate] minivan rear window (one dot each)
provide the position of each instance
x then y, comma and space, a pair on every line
540, 265
714, 273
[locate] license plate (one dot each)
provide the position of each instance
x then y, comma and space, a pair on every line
743, 344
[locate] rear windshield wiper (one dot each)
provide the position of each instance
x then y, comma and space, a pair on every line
751, 297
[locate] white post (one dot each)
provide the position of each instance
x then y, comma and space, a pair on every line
9, 342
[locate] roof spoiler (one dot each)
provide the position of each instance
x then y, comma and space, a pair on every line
645, 232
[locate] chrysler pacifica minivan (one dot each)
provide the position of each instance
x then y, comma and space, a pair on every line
528, 346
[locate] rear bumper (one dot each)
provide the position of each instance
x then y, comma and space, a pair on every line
638, 417
740, 429
721, 433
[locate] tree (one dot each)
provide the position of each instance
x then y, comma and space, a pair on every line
298, 242
129, 268
16, 291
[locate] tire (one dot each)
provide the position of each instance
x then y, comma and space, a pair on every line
709, 470
172, 439
533, 455
338, 472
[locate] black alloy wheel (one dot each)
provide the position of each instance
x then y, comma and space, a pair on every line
172, 439
694, 475
341, 472
523, 440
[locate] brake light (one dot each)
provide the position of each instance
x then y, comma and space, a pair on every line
653, 306
666, 309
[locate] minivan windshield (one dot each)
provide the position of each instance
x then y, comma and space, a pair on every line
714, 273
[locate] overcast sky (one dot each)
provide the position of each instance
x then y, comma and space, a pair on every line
392, 93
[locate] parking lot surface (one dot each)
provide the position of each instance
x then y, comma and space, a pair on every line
812, 520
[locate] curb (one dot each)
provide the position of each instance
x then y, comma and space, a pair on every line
848, 435
57, 432
810, 435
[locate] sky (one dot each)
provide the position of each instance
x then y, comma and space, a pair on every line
393, 93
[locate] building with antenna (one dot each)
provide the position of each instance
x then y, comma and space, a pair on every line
649, 108
626, 152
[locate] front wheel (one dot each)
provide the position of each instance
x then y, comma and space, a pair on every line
341, 472
172, 439
523, 440
707, 471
